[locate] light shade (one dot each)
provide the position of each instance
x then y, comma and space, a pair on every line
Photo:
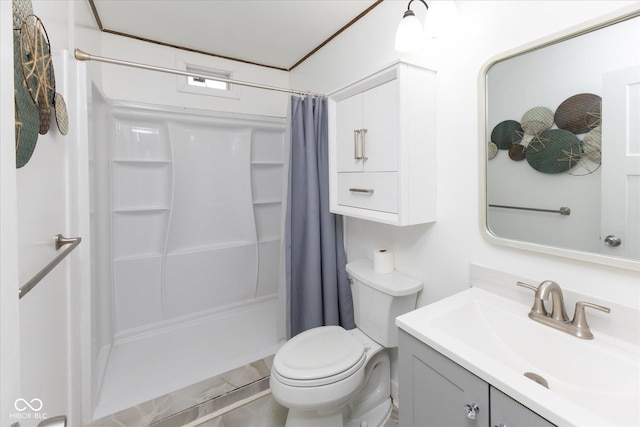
409, 35
441, 19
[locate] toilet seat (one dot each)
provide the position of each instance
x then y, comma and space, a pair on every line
319, 356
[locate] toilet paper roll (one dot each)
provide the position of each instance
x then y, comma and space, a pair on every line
383, 261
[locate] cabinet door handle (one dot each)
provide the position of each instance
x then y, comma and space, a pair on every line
472, 410
363, 136
356, 132
362, 190
612, 241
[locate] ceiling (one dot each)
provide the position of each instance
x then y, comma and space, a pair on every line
273, 33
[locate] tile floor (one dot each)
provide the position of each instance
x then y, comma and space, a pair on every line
155, 410
193, 406
265, 412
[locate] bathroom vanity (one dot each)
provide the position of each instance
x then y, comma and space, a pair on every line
437, 391
476, 359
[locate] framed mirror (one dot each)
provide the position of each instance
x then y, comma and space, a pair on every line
560, 143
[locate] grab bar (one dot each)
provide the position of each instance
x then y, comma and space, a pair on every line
59, 241
562, 211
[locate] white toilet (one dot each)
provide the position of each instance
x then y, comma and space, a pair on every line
331, 377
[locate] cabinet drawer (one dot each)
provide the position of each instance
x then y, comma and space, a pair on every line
369, 190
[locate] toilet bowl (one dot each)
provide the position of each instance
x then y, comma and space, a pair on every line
332, 377
321, 376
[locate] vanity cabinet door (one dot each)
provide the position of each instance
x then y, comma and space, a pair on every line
506, 412
436, 392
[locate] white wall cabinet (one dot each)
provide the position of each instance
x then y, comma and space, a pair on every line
382, 147
435, 391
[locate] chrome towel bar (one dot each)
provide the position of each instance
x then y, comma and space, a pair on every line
60, 241
562, 211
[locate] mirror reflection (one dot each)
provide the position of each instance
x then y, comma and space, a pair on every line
562, 127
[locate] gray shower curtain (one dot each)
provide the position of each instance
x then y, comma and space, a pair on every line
318, 290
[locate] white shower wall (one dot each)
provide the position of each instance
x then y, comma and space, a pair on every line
195, 203
187, 209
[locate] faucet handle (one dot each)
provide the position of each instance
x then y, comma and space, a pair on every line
580, 319
528, 286
538, 305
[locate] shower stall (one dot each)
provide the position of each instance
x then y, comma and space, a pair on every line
186, 220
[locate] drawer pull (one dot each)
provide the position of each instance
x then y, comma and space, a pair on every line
362, 190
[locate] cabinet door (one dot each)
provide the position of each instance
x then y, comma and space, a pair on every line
506, 412
434, 391
382, 137
349, 118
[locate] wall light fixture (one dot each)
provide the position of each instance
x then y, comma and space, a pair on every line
410, 35
440, 19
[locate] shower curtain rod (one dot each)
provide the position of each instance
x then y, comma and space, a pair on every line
84, 56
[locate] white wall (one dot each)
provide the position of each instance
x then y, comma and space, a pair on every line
150, 87
42, 213
9, 307
440, 253
39, 201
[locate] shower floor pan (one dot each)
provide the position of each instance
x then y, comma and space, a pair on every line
142, 368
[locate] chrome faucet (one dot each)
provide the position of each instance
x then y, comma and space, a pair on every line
558, 318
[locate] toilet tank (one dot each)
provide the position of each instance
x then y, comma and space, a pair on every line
378, 298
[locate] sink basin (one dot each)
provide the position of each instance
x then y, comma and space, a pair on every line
590, 382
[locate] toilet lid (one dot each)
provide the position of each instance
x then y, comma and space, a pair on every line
324, 352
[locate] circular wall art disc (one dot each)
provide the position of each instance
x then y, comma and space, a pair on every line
21, 9
554, 151
579, 113
62, 117
507, 133
537, 120
517, 152
37, 68
592, 143
492, 150
45, 116
27, 113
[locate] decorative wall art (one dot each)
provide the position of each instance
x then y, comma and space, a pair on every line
558, 149
27, 114
35, 95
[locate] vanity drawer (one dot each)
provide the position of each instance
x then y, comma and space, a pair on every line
369, 190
